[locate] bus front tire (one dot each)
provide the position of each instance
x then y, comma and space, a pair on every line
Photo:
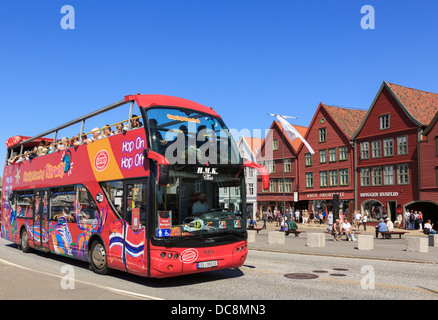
98, 259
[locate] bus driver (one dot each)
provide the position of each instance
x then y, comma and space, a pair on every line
201, 206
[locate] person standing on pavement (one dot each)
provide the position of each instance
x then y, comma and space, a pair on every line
264, 218
357, 218
330, 221
364, 221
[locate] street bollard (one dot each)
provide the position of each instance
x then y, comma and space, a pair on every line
417, 244
365, 242
315, 240
251, 235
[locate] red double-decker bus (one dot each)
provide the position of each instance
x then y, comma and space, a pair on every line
163, 196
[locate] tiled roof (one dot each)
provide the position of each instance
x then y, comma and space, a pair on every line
348, 120
421, 105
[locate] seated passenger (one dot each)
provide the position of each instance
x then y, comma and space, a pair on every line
63, 145
120, 128
107, 132
135, 123
96, 134
201, 206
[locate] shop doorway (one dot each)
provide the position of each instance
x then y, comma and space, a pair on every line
373, 209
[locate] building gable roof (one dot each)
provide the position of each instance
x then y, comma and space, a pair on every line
347, 120
295, 144
420, 106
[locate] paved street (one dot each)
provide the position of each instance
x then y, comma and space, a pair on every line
266, 275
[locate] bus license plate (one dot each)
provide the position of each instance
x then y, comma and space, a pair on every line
207, 264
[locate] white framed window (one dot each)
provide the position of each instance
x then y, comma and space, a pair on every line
364, 177
384, 121
309, 180
376, 176
333, 178
287, 165
250, 189
403, 173
388, 147
402, 145
323, 179
323, 135
308, 157
376, 149
388, 175
343, 153
343, 177
275, 144
322, 156
332, 155
364, 150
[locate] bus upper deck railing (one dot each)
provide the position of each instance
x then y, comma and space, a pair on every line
11, 156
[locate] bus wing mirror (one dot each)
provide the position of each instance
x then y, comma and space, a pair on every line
261, 170
162, 163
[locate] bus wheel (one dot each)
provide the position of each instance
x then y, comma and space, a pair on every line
24, 241
98, 260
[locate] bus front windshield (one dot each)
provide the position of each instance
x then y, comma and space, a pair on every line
186, 136
200, 201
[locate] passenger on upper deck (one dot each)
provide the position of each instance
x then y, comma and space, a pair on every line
135, 123
120, 128
96, 134
107, 132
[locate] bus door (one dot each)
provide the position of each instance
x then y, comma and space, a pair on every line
135, 253
41, 220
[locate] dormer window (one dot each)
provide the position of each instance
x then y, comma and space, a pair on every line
384, 122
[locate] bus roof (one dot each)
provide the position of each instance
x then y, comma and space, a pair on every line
150, 100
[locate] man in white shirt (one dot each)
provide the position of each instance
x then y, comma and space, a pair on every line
201, 206
346, 227
357, 218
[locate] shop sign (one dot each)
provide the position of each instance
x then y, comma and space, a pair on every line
378, 194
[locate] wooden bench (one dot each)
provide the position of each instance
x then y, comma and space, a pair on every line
256, 229
385, 234
296, 233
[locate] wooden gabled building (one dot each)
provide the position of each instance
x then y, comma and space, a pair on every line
278, 155
387, 151
429, 171
330, 170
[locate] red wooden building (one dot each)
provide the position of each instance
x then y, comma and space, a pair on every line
276, 147
330, 170
387, 151
429, 171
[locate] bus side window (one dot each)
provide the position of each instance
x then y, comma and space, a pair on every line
88, 210
62, 203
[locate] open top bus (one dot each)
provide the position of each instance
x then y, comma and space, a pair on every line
161, 199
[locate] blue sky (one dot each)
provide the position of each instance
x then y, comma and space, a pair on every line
244, 58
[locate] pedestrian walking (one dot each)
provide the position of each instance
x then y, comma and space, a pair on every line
364, 222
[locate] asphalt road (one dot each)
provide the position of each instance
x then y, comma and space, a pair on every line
264, 276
